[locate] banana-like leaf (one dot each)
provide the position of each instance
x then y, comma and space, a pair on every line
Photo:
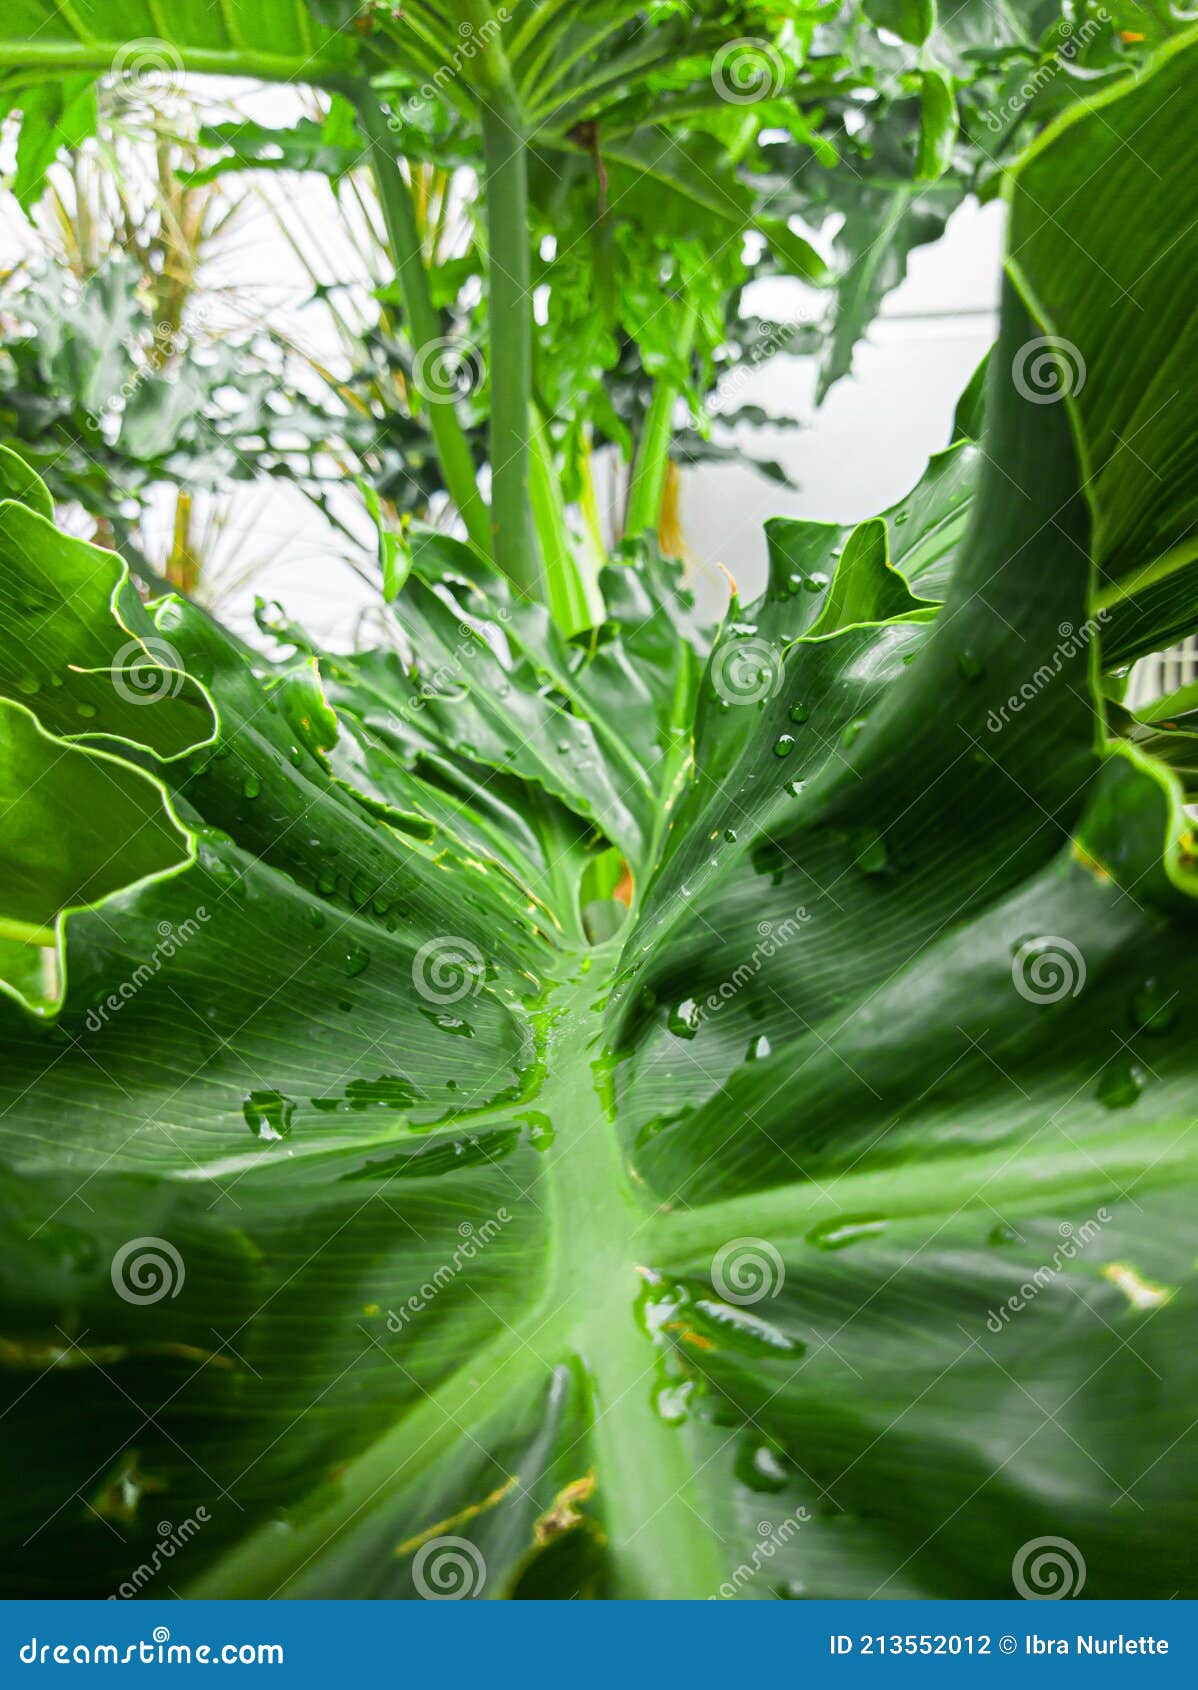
827, 1231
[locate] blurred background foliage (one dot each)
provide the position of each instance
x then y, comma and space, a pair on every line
704, 147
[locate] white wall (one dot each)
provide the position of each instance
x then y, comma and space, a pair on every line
869, 441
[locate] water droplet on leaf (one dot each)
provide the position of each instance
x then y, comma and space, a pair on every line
1153, 1008
685, 1020
357, 960
1120, 1083
839, 1234
268, 1114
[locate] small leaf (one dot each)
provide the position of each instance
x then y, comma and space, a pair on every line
938, 126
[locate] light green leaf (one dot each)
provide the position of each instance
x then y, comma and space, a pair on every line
938, 126
55, 115
912, 20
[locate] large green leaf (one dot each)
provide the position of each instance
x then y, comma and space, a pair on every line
287, 40
410, 1237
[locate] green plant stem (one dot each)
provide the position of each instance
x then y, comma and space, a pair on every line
653, 454
424, 325
513, 534
588, 499
571, 582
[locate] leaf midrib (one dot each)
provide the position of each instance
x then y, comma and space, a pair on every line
601, 1227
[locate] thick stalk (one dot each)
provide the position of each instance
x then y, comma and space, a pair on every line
424, 325
653, 454
514, 541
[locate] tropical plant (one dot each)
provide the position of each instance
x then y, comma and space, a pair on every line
705, 123
533, 1109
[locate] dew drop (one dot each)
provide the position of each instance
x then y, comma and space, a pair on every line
357, 960
672, 1400
970, 666
251, 785
1120, 1084
759, 1049
799, 712
449, 1023
684, 1021
839, 1234
872, 856
541, 1133
784, 745
760, 1467
268, 1114
1153, 1008
389, 1091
